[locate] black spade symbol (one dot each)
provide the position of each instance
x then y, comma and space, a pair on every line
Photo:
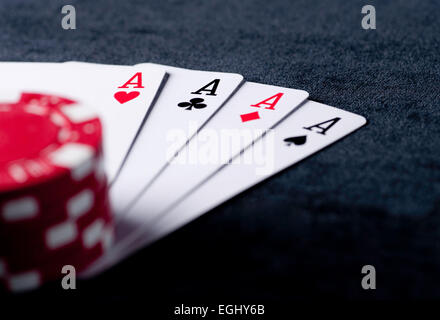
299, 140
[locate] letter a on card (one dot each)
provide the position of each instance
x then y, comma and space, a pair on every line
131, 82
271, 102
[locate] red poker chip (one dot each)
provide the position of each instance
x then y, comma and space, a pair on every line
60, 240
40, 207
43, 137
53, 270
54, 207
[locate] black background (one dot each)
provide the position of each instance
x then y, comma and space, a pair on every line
372, 198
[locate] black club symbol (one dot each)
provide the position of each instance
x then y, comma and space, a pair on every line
196, 103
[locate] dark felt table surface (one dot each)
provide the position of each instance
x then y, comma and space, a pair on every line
372, 198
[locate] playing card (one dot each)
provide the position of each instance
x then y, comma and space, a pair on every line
188, 100
311, 128
120, 95
244, 119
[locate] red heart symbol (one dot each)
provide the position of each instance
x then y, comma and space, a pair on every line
123, 96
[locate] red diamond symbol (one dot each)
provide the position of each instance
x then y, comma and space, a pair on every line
250, 116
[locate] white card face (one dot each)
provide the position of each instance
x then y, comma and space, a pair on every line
187, 101
120, 95
252, 110
313, 127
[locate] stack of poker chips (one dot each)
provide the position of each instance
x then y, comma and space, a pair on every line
54, 209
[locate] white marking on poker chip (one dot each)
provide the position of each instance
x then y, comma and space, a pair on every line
61, 235
2, 269
89, 128
100, 170
57, 119
43, 100
73, 156
92, 235
54, 99
80, 204
64, 135
24, 281
36, 109
83, 170
20, 209
108, 237
79, 113
18, 173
